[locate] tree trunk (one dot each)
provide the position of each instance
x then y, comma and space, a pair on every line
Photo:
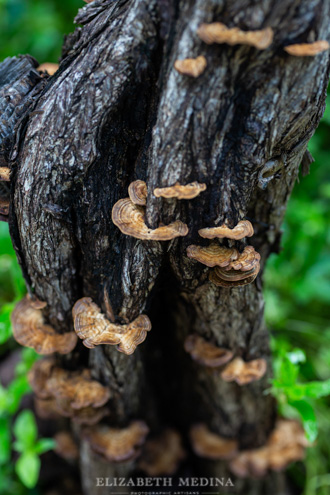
117, 111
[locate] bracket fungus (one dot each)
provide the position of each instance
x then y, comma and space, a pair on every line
138, 192
30, 330
179, 191
94, 328
205, 353
241, 271
72, 394
48, 67
162, 455
243, 229
4, 174
65, 446
307, 49
193, 67
244, 372
213, 255
208, 444
117, 444
129, 218
217, 32
286, 444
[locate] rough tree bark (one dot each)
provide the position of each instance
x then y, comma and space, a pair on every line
116, 111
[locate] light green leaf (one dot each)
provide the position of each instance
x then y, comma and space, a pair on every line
25, 428
4, 440
308, 417
44, 444
27, 468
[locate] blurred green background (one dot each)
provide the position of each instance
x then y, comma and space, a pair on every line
297, 285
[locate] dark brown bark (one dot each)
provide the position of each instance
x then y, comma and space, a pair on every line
117, 111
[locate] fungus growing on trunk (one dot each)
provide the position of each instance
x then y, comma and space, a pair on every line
210, 445
52, 409
163, 454
213, 255
240, 271
193, 67
205, 353
179, 191
129, 218
94, 328
66, 446
216, 32
286, 444
307, 49
243, 229
75, 388
117, 444
138, 192
30, 330
48, 67
4, 174
243, 372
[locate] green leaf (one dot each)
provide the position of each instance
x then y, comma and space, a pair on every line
44, 444
25, 428
308, 417
27, 468
4, 440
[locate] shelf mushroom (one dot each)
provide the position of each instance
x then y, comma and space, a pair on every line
138, 192
4, 174
179, 191
244, 372
94, 328
241, 271
286, 444
243, 229
117, 444
210, 445
205, 353
193, 67
163, 454
307, 49
213, 255
30, 330
217, 32
66, 446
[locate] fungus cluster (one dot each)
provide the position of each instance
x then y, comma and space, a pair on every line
210, 445
212, 356
30, 329
238, 272
117, 444
94, 328
72, 394
193, 67
286, 444
217, 32
243, 372
163, 454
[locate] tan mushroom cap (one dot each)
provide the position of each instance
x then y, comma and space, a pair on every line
243, 229
307, 49
94, 328
208, 444
129, 218
66, 446
4, 206
193, 67
216, 32
162, 455
179, 191
74, 389
138, 192
48, 67
205, 353
239, 272
286, 444
54, 409
30, 330
117, 444
4, 174
243, 372
213, 255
